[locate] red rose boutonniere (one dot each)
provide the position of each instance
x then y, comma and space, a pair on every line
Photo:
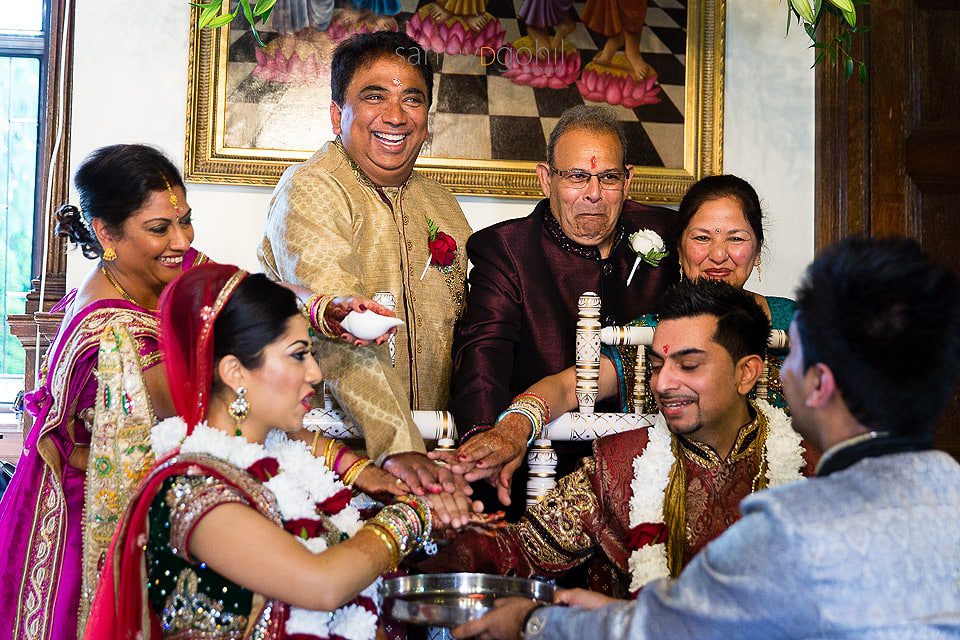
443, 249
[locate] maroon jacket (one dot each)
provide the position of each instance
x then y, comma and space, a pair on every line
521, 312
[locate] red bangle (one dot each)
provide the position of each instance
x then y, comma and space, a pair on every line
477, 428
336, 461
540, 398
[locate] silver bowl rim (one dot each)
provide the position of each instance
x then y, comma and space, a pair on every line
467, 583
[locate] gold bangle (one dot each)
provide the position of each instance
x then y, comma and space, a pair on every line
330, 451
320, 316
350, 475
387, 539
358, 467
317, 305
316, 441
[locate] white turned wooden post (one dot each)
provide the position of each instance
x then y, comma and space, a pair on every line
543, 470
388, 300
640, 381
588, 350
763, 380
779, 339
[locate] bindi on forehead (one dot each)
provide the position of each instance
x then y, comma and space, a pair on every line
397, 83
593, 162
666, 349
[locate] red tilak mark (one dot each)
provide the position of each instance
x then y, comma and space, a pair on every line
666, 348
593, 162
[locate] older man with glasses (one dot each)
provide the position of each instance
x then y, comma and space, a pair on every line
520, 320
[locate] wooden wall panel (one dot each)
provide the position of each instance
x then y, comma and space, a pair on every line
888, 151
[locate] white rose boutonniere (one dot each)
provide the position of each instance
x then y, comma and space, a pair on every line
649, 247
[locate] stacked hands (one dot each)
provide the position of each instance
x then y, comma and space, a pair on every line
492, 455
447, 493
404, 474
445, 488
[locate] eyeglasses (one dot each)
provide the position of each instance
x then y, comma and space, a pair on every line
579, 178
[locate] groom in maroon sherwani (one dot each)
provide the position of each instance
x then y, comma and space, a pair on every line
648, 500
521, 310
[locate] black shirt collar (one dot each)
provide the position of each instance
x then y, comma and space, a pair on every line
553, 229
868, 445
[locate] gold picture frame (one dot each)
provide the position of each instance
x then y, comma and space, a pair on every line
210, 159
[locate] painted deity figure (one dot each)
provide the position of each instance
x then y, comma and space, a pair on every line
540, 16
620, 22
456, 27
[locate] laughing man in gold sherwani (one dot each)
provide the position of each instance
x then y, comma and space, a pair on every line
357, 218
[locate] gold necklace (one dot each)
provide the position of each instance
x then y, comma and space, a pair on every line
116, 285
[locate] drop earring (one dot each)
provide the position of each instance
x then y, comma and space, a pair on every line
759, 272
680, 262
239, 409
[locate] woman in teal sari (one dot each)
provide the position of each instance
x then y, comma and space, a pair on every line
718, 235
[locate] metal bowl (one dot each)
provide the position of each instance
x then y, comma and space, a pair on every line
450, 599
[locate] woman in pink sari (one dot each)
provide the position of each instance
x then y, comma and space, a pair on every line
134, 218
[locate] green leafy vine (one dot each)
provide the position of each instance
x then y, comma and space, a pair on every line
211, 14
810, 13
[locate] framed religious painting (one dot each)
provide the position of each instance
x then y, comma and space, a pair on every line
504, 72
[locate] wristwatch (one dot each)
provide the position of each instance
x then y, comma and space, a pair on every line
536, 622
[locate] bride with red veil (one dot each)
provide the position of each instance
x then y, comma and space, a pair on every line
242, 529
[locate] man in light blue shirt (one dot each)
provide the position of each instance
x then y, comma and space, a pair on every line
870, 548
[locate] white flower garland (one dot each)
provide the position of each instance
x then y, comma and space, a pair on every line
301, 482
651, 473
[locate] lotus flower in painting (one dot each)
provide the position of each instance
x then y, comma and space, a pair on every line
291, 60
615, 85
454, 35
344, 25
541, 68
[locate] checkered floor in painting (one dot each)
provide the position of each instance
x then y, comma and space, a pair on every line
476, 113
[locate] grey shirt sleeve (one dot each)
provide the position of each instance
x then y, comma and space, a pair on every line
751, 582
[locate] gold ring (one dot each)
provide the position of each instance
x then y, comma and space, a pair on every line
440, 463
399, 481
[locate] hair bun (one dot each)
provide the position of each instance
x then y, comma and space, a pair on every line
72, 225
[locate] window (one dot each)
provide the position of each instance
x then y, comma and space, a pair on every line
23, 46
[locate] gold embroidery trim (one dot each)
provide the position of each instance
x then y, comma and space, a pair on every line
187, 609
552, 531
748, 442
191, 498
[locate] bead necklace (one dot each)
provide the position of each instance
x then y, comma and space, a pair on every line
116, 285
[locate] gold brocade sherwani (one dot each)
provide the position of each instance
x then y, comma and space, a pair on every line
579, 532
331, 229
